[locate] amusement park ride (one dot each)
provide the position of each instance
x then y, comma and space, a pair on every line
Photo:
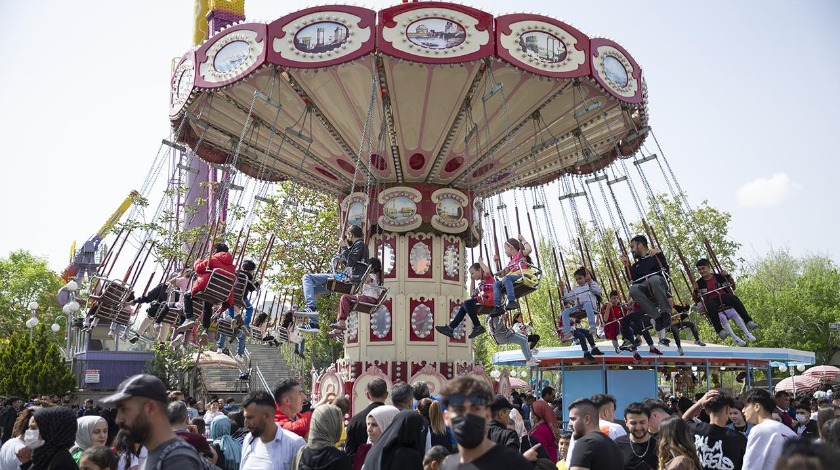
418, 118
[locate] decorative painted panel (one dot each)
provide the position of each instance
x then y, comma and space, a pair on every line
386, 250
452, 259
449, 210
542, 45
616, 71
460, 334
231, 55
381, 324
421, 314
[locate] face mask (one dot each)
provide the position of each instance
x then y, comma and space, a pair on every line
32, 438
468, 430
802, 418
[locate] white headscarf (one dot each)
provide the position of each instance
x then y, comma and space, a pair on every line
84, 432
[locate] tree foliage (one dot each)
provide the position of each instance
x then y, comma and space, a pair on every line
301, 226
794, 299
173, 368
26, 278
34, 366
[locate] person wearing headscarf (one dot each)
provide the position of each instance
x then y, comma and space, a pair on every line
401, 446
92, 431
542, 430
377, 421
57, 429
230, 447
320, 452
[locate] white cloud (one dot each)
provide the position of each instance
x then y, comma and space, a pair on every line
767, 192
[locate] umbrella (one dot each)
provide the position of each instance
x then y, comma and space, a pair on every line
829, 372
803, 383
518, 383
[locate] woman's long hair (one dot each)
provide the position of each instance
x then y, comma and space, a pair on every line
675, 439
431, 410
124, 448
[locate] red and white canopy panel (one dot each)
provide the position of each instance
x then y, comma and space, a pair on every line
433, 93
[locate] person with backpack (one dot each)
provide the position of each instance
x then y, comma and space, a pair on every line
141, 413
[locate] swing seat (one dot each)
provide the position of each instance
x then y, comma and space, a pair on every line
123, 317
110, 299
282, 334
224, 326
172, 315
351, 288
218, 289
239, 289
369, 308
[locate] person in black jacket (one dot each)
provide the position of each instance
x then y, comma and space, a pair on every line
353, 254
377, 393
715, 290
648, 280
498, 431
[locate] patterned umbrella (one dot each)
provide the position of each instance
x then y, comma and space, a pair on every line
829, 372
517, 383
804, 383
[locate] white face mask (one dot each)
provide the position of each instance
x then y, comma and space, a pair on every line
802, 418
32, 438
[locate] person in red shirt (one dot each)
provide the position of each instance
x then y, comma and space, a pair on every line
613, 319
483, 295
289, 398
711, 287
221, 259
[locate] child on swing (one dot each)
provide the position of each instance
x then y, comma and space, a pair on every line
483, 295
584, 336
518, 251
584, 295
369, 294
613, 314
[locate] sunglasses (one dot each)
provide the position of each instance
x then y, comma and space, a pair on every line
477, 399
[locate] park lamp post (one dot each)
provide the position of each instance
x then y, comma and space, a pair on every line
33, 320
69, 309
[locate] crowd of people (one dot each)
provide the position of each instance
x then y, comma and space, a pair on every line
464, 427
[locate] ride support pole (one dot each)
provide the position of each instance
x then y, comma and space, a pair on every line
105, 259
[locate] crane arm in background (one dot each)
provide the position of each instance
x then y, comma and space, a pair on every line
83, 261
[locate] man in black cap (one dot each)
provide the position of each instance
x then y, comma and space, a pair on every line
141, 413
498, 430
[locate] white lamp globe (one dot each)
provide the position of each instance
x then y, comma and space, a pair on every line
74, 306
34, 321
72, 286
33, 305
55, 327
29, 323
495, 373
783, 368
693, 368
66, 309
800, 368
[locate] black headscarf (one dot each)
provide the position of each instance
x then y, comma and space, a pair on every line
400, 445
57, 427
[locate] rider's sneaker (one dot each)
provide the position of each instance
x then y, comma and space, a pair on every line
587, 358
655, 350
699, 343
597, 352
185, 327
308, 311
753, 325
512, 305
445, 330
680, 351
637, 357
664, 342
723, 334
478, 330
498, 311
533, 362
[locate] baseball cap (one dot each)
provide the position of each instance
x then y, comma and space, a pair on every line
500, 403
141, 385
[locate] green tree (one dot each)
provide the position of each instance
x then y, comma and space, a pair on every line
794, 299
26, 278
174, 369
34, 366
301, 225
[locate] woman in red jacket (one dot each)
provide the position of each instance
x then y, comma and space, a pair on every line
220, 259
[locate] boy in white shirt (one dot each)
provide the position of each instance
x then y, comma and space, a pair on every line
585, 294
764, 444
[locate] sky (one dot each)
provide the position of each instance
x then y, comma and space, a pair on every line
743, 99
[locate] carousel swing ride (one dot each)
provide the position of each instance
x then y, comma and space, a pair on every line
424, 120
